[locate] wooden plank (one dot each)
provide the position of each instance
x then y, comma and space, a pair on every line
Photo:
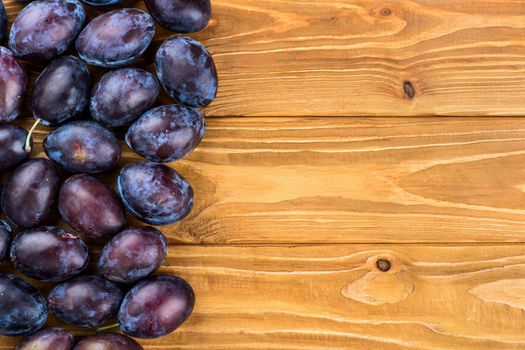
363, 57
353, 180
461, 297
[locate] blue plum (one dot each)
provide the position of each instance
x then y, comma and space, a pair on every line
6, 234
13, 81
155, 193
46, 28
23, 309
181, 16
116, 38
91, 207
49, 253
83, 147
85, 301
108, 341
48, 339
187, 71
30, 192
133, 254
12, 140
166, 133
156, 307
122, 95
61, 91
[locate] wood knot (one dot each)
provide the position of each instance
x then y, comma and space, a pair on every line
408, 89
385, 11
383, 265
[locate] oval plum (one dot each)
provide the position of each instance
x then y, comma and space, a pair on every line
48, 339
116, 38
156, 307
108, 341
83, 147
187, 71
166, 133
30, 193
122, 95
85, 301
23, 310
61, 91
49, 253
91, 207
13, 81
181, 16
46, 28
12, 140
133, 254
155, 193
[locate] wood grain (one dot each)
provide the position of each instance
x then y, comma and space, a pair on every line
363, 57
291, 297
354, 180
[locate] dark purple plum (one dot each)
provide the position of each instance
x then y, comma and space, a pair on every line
61, 91
166, 133
156, 307
85, 301
6, 234
102, 3
186, 70
23, 309
91, 207
12, 140
28, 196
116, 38
83, 147
122, 95
3, 22
49, 253
46, 28
48, 339
133, 254
13, 81
181, 16
155, 193
108, 341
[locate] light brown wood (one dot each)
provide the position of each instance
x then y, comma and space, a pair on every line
348, 180
355, 57
293, 297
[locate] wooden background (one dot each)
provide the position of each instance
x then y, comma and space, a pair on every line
361, 184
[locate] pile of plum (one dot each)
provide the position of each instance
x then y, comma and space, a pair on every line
47, 33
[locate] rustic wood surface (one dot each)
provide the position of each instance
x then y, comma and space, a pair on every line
286, 247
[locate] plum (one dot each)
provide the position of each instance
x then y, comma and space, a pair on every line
187, 71
155, 193
48, 339
116, 38
83, 147
133, 254
12, 151
30, 192
108, 341
91, 207
156, 307
122, 95
85, 301
46, 28
181, 16
13, 81
166, 133
49, 253
61, 91
23, 309
6, 234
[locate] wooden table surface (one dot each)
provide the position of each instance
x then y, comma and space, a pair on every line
361, 184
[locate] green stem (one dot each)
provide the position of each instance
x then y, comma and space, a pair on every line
28, 138
103, 328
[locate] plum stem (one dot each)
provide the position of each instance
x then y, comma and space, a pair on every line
28, 138
103, 328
